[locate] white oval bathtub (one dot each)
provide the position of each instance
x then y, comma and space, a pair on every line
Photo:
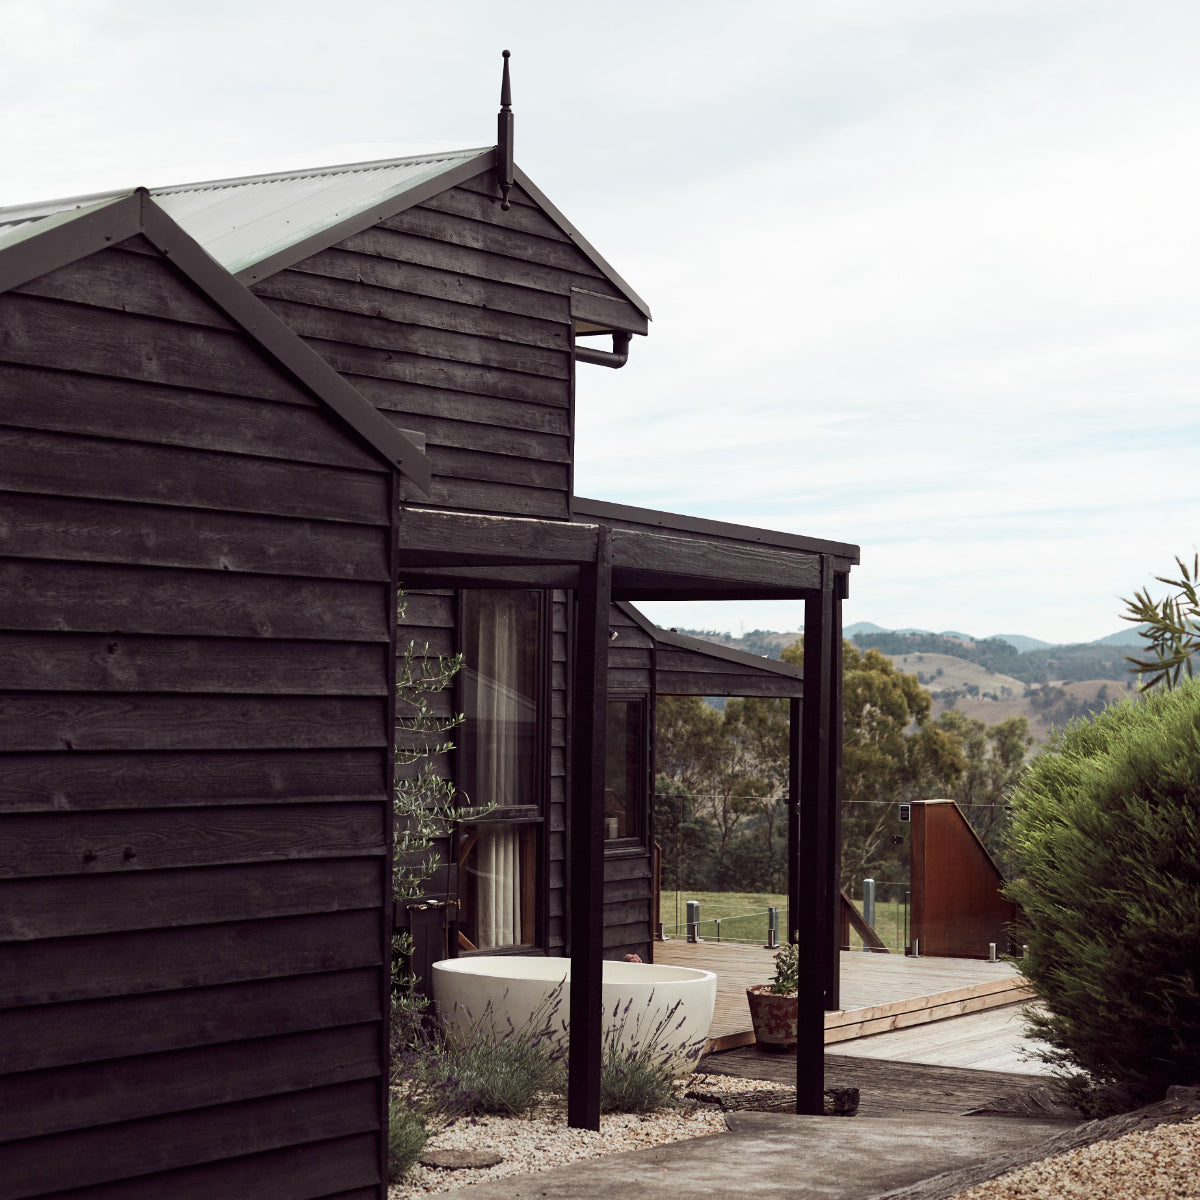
645, 1006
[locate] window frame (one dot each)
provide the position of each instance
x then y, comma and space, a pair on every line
638, 843
534, 812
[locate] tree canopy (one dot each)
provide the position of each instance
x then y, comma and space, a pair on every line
726, 774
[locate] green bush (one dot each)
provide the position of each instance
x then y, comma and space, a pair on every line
406, 1140
641, 1077
1106, 828
509, 1074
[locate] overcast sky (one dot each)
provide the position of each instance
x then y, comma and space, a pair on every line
925, 274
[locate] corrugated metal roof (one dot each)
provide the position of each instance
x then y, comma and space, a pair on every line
244, 221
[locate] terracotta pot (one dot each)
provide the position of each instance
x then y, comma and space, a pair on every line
774, 1018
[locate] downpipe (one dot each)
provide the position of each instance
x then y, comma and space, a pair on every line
617, 357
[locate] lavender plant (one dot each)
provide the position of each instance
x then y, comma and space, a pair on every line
639, 1065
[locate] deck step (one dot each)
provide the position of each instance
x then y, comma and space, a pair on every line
882, 993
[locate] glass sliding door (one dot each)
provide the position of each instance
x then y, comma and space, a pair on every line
502, 635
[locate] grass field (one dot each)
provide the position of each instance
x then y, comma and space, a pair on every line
742, 917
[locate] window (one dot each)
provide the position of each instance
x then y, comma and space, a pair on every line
625, 769
500, 765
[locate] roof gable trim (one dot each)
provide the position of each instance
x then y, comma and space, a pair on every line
581, 242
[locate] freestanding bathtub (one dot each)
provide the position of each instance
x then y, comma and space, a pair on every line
486, 995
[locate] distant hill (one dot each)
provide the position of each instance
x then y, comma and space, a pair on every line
988, 678
1020, 641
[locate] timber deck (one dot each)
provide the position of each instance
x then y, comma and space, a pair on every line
880, 992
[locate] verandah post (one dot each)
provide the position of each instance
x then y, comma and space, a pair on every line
589, 726
817, 885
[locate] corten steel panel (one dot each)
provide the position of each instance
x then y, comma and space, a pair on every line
957, 908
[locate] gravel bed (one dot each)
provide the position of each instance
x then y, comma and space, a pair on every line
1162, 1163
542, 1140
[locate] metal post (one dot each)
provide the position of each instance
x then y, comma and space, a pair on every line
992, 952
772, 929
916, 948
693, 921
868, 907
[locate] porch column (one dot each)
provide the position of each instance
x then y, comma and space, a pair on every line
816, 863
589, 727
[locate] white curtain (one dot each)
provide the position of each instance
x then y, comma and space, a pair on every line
499, 709
498, 886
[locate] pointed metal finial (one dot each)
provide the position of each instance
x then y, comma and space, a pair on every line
504, 139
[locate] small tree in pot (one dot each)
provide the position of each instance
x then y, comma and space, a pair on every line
773, 1005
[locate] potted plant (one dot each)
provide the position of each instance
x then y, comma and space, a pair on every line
773, 1005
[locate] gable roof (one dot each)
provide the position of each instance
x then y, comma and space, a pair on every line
257, 225
40, 243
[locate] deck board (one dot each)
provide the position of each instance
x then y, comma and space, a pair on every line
881, 992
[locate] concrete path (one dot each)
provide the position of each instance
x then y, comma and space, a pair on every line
781, 1156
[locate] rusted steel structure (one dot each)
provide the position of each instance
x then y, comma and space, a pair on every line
958, 910
235, 418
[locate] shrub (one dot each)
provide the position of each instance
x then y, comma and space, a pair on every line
1106, 828
509, 1074
640, 1078
406, 1140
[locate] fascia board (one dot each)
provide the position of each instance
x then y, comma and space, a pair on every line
579, 240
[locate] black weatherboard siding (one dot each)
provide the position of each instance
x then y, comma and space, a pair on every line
196, 637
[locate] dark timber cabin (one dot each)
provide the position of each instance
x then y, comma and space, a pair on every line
217, 471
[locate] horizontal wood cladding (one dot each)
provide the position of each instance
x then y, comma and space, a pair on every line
466, 201
196, 607
454, 318
319, 1171
541, 414
67, 528
78, 721
180, 778
382, 271
116, 900
375, 332
422, 319
95, 341
91, 1157
297, 431
511, 499
50, 1102
92, 597
40, 844
372, 362
119, 663
130, 277
58, 970
88, 1031
58, 463
518, 244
